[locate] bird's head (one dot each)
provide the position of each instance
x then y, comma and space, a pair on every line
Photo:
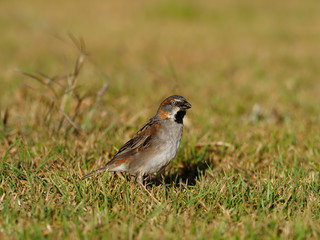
173, 108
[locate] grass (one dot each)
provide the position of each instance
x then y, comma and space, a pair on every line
248, 166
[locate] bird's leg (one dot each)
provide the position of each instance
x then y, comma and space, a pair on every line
160, 175
112, 177
139, 178
121, 175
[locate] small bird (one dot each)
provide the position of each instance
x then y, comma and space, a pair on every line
155, 145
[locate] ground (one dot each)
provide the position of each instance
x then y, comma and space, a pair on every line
249, 161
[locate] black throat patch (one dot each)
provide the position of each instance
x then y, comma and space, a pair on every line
179, 116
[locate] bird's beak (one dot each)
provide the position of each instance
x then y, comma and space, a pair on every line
185, 105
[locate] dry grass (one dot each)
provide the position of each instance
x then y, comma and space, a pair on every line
248, 167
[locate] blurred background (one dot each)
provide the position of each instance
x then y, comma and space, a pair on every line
228, 58
248, 166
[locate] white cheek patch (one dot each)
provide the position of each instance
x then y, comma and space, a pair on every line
173, 113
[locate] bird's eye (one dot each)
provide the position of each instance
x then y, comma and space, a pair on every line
177, 103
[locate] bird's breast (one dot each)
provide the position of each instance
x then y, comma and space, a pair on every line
165, 147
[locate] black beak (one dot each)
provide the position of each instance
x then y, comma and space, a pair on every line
184, 105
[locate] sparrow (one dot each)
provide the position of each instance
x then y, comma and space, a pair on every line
155, 145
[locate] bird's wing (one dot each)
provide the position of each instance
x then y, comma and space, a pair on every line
140, 141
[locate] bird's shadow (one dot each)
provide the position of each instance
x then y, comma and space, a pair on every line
187, 175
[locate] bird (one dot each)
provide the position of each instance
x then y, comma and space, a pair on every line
155, 145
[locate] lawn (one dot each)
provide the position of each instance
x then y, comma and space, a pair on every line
80, 78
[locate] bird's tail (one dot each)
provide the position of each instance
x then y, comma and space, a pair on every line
103, 169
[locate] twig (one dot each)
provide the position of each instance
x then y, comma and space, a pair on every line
40, 80
70, 120
5, 117
65, 93
60, 110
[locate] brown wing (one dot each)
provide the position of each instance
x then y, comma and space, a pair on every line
140, 141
